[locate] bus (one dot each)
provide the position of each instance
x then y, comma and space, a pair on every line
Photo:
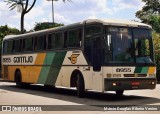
93, 55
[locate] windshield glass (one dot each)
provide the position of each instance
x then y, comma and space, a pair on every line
122, 42
142, 42
128, 45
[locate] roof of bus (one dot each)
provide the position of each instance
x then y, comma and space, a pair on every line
117, 22
111, 22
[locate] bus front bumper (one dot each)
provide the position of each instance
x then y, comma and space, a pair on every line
114, 84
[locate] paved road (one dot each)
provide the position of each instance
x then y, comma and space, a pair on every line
38, 95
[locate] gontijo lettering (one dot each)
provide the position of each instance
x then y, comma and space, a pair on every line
23, 59
20, 59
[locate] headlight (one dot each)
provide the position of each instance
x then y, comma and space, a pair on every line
152, 75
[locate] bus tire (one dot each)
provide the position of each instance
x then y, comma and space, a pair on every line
18, 80
80, 86
119, 92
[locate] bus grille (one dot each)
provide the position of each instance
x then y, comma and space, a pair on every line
135, 75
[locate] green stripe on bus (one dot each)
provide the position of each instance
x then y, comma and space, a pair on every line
138, 70
55, 68
144, 70
45, 69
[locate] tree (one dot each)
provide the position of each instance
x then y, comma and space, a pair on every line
46, 25
5, 30
154, 21
151, 7
156, 42
24, 4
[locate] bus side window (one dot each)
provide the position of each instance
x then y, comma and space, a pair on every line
88, 48
65, 39
58, 44
74, 38
28, 44
90, 31
17, 46
5, 47
40, 43
9, 46
13, 47
50, 41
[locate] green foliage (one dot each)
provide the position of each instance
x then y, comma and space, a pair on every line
46, 25
151, 7
5, 30
154, 21
156, 41
150, 14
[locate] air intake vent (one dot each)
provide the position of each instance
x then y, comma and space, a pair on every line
135, 75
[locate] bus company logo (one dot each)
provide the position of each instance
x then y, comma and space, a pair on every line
73, 58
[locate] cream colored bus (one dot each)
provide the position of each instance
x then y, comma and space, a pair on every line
96, 54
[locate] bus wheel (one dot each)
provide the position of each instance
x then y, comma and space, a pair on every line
80, 86
119, 92
18, 79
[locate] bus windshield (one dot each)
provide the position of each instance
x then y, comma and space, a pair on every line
128, 45
143, 45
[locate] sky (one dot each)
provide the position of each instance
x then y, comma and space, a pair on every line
70, 12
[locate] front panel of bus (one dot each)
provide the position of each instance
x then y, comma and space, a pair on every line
124, 56
130, 53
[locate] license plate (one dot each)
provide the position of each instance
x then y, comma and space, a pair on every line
135, 83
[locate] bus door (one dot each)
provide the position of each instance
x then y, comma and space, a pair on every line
97, 62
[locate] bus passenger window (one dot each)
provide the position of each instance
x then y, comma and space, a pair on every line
65, 38
17, 46
40, 43
13, 48
74, 38
9, 46
58, 41
5, 47
50, 41
28, 44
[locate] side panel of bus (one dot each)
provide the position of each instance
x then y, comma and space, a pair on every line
74, 60
53, 68
30, 69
